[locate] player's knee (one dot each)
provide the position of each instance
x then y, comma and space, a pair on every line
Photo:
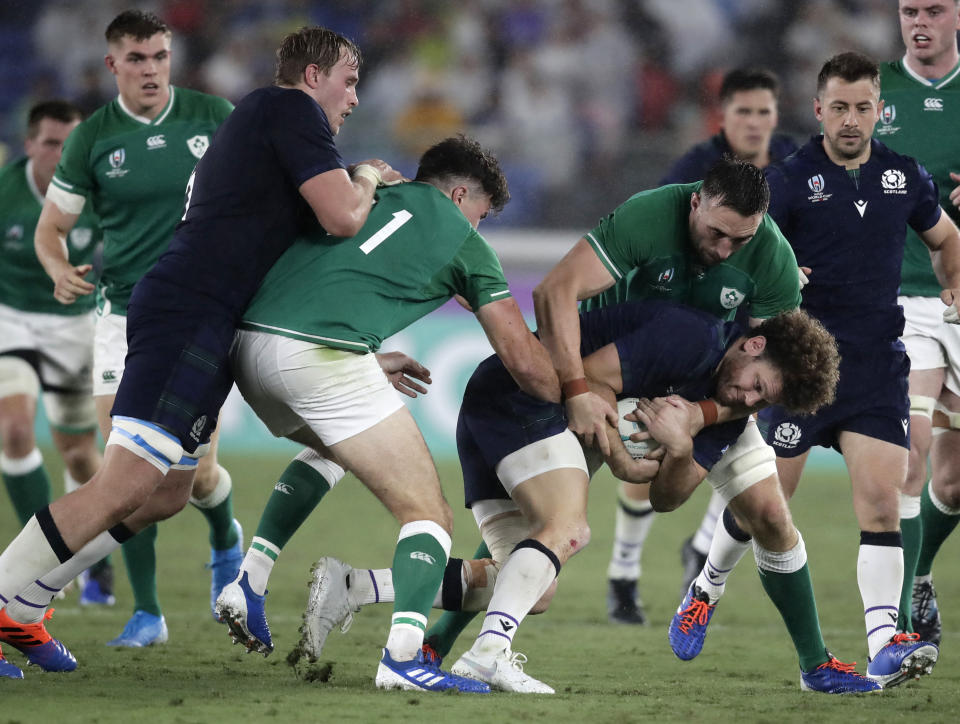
81, 460
17, 438
770, 520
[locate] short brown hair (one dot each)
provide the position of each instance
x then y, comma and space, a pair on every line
312, 46
748, 79
737, 184
849, 67
56, 109
460, 157
806, 355
137, 24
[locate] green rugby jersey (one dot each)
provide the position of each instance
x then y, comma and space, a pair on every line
24, 284
645, 244
135, 173
415, 251
922, 119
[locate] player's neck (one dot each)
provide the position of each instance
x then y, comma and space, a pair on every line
40, 182
937, 67
150, 112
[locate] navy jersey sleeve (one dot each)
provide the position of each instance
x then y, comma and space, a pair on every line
301, 138
693, 165
927, 211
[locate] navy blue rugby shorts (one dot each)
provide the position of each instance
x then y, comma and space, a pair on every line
872, 400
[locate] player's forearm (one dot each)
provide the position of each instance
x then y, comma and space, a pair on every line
679, 476
558, 325
50, 243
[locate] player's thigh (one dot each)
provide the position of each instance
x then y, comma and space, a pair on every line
877, 471
762, 511
745, 463
392, 460
945, 450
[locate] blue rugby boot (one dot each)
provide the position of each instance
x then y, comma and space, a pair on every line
224, 566
418, 674
33, 641
904, 657
836, 677
8, 670
243, 612
688, 628
143, 629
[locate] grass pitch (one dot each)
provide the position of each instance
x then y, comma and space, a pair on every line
602, 673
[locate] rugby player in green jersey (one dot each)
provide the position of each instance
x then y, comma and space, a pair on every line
921, 114
132, 159
44, 346
304, 360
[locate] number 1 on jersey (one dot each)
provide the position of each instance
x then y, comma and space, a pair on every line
399, 219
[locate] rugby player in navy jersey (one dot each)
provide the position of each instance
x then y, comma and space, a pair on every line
845, 202
271, 173
526, 474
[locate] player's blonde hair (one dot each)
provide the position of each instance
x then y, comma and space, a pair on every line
312, 46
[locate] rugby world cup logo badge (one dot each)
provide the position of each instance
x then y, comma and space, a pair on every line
816, 184
116, 160
665, 276
889, 115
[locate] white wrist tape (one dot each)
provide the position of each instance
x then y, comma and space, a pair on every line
365, 170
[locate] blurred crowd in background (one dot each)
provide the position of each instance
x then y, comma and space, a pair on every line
584, 101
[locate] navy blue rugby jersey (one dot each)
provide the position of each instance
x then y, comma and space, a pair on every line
694, 164
244, 208
664, 348
851, 231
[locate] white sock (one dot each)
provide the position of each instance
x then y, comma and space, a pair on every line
880, 577
21, 466
633, 521
789, 561
28, 557
221, 491
69, 484
725, 552
258, 564
523, 579
375, 585
704, 535
29, 605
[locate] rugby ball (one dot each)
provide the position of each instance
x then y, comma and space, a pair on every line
627, 428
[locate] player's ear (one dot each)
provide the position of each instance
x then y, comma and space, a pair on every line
754, 346
458, 194
110, 62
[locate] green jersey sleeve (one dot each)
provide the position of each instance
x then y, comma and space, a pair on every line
477, 272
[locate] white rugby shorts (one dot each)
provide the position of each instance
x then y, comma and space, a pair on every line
290, 383
931, 343
109, 352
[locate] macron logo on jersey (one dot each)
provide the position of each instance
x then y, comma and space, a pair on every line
155, 142
933, 104
861, 207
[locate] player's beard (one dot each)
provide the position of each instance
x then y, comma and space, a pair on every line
844, 151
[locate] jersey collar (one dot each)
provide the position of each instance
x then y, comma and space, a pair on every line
951, 75
143, 119
31, 182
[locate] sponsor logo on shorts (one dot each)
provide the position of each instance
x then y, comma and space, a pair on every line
197, 430
284, 488
894, 181
109, 376
786, 435
421, 556
933, 104
906, 426
155, 142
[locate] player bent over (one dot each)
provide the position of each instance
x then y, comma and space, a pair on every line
525, 474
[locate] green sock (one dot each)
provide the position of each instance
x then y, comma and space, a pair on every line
444, 632
296, 494
937, 526
792, 594
140, 557
912, 531
419, 562
29, 490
